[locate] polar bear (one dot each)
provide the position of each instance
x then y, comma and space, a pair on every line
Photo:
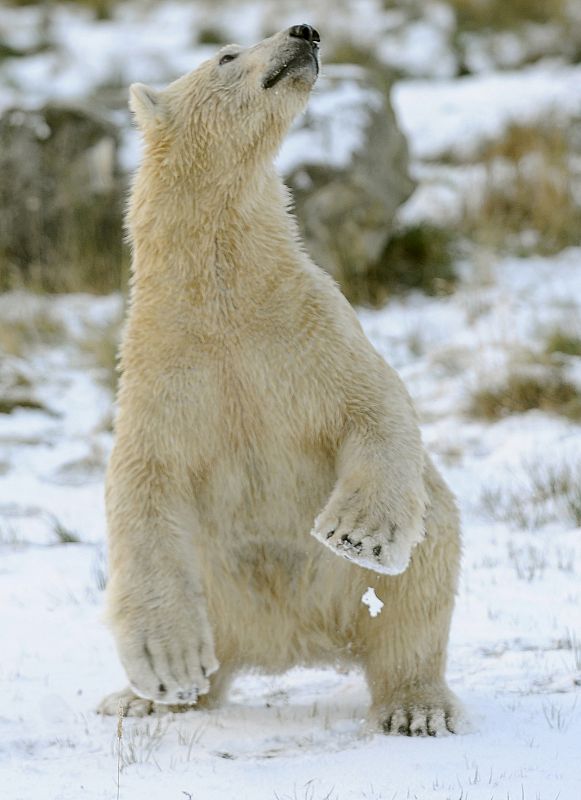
250, 405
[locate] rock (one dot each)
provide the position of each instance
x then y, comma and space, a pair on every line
60, 199
347, 164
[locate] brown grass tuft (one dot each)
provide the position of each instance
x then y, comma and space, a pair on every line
212, 35
528, 189
35, 325
103, 9
101, 346
561, 342
522, 391
474, 15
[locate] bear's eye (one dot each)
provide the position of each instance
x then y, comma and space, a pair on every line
228, 57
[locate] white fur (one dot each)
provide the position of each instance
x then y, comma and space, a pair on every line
250, 404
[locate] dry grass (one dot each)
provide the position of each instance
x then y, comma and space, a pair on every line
528, 192
138, 744
103, 9
572, 643
10, 404
22, 328
528, 562
557, 717
212, 35
24, 325
99, 569
87, 255
419, 257
308, 792
561, 342
549, 493
62, 534
101, 346
474, 15
548, 390
79, 471
521, 139
346, 51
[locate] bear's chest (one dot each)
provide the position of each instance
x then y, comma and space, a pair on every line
265, 392
267, 429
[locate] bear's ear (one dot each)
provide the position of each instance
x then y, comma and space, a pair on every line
147, 105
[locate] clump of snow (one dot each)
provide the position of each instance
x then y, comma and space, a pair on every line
372, 601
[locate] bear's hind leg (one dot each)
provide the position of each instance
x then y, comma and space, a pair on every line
404, 649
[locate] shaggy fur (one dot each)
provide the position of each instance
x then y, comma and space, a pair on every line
250, 404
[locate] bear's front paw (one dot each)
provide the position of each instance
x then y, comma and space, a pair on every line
168, 664
376, 532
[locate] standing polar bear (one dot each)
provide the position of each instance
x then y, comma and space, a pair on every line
251, 403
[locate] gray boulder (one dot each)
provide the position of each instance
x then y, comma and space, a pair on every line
346, 161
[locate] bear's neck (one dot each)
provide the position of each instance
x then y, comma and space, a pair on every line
212, 248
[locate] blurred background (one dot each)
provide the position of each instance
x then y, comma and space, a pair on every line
437, 177
508, 173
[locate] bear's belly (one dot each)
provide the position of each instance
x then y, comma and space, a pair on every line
264, 494
268, 582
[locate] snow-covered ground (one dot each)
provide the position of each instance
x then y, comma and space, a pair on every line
515, 654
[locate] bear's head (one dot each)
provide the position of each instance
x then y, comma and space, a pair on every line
233, 110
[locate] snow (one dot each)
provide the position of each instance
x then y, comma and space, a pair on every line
135, 46
515, 650
372, 601
514, 654
457, 116
422, 48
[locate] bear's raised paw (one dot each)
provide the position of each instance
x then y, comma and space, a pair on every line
369, 532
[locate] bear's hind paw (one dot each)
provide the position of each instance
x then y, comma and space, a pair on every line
433, 711
126, 704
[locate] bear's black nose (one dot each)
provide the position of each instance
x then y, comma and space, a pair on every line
305, 32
